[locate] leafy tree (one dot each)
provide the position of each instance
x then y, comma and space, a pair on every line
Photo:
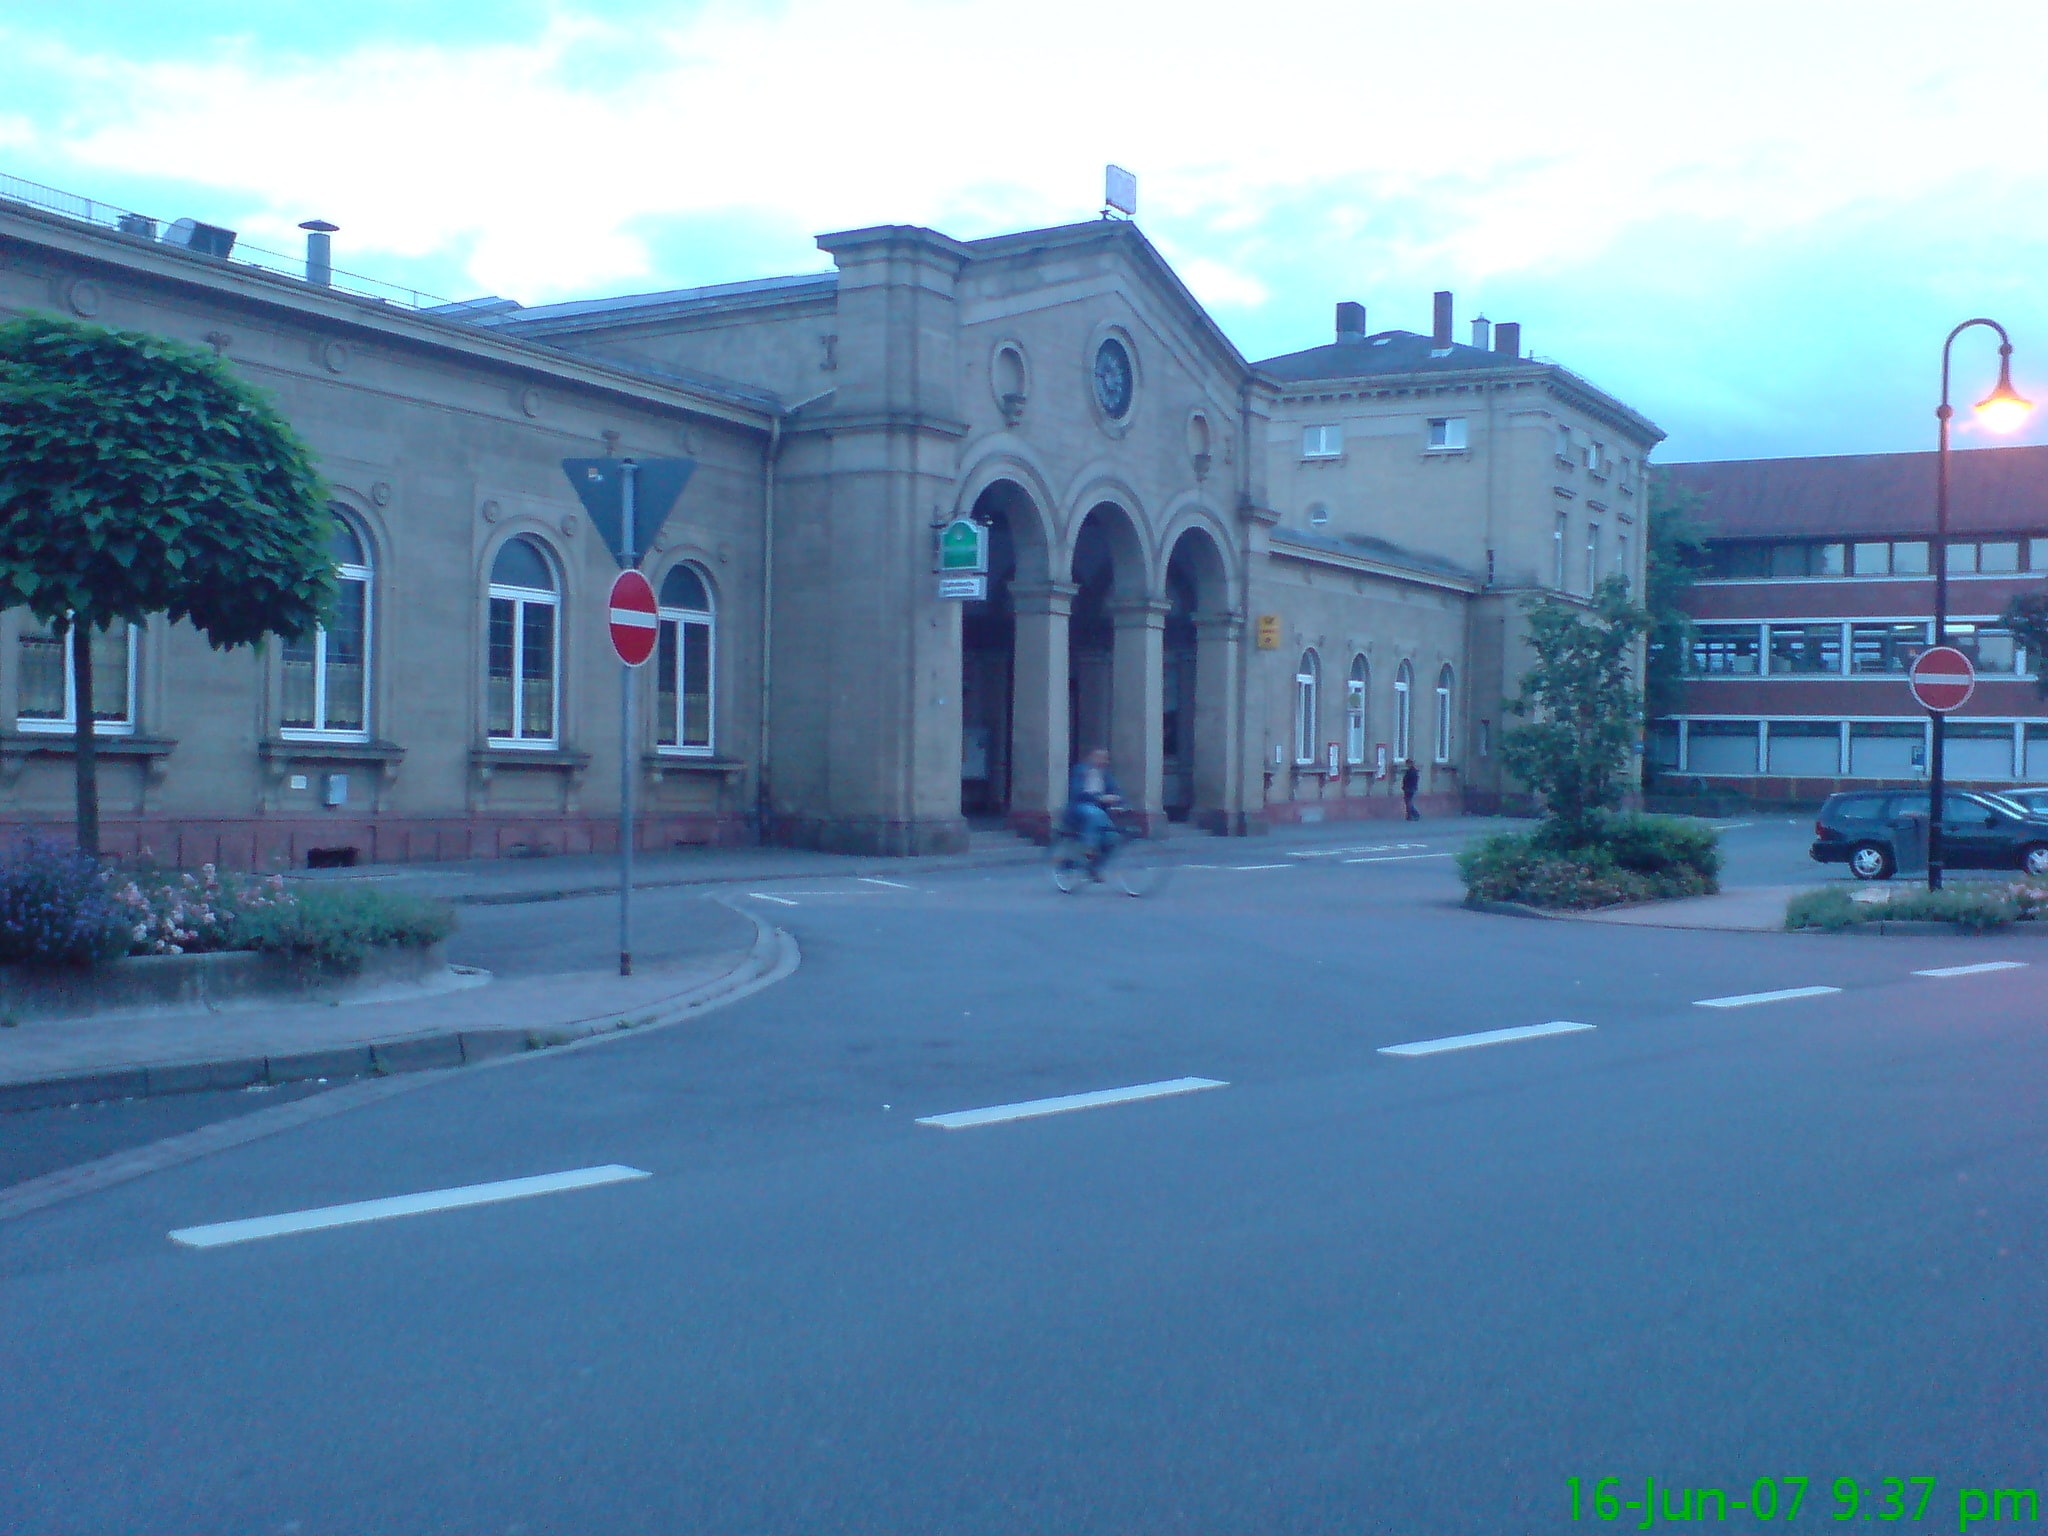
2027, 617
1582, 705
1677, 553
139, 476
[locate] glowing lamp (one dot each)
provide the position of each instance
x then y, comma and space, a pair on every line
2004, 408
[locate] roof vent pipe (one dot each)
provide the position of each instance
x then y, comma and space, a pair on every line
1442, 334
1482, 333
1350, 321
319, 252
1507, 338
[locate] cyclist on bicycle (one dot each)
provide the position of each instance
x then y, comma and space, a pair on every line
1091, 794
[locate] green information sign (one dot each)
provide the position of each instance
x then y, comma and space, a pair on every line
963, 548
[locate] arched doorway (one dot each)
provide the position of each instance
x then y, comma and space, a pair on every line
996, 782
1198, 684
1114, 653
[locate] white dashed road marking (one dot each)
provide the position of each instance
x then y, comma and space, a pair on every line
1483, 1037
1398, 858
1746, 999
894, 885
1331, 853
1031, 1109
221, 1234
1975, 970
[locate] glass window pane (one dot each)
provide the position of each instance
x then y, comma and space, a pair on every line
521, 564
1721, 746
44, 686
1805, 748
346, 657
665, 675
1788, 560
1962, 558
2037, 752
498, 682
684, 588
1725, 650
1663, 744
110, 674
301, 660
1830, 559
1886, 749
1871, 559
1885, 648
343, 547
1806, 648
2037, 554
1998, 556
696, 685
1910, 559
537, 670
1978, 751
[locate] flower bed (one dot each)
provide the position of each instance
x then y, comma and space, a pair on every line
1617, 860
1976, 907
60, 909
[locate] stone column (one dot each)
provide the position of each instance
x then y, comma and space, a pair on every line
1217, 758
1137, 699
1039, 751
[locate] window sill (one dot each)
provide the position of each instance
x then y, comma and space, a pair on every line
660, 764
344, 749
56, 744
68, 730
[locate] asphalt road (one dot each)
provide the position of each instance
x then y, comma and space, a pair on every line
1346, 1292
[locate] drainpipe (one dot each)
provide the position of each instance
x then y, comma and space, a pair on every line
763, 808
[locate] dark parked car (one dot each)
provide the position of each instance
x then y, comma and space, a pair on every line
2033, 801
1978, 831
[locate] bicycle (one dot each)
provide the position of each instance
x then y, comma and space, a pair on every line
1131, 863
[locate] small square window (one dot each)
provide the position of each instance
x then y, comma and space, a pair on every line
1871, 559
1830, 559
2037, 555
1998, 557
1322, 442
1910, 559
1447, 432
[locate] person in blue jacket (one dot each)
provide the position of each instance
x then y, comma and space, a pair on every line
1091, 794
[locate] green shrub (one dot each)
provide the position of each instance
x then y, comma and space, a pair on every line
1969, 909
1626, 858
334, 927
55, 909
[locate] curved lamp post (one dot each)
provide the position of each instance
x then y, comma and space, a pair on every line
2001, 411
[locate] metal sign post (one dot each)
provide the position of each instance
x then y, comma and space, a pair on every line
628, 557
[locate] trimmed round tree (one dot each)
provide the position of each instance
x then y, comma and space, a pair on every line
140, 477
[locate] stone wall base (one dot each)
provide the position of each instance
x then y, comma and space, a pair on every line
278, 842
1361, 808
871, 835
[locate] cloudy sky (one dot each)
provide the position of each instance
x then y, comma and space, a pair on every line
1753, 221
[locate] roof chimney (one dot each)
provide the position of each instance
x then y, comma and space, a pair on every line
1350, 322
1482, 333
1442, 333
1507, 338
319, 252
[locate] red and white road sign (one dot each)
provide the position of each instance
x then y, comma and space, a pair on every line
1943, 679
633, 623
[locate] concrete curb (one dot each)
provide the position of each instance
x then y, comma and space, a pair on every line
772, 956
1025, 853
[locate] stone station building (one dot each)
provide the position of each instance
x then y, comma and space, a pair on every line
1245, 580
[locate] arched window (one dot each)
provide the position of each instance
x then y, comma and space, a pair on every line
1444, 679
1306, 677
327, 672
685, 665
522, 687
1356, 691
1404, 710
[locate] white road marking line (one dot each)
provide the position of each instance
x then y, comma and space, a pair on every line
1483, 1037
1331, 853
894, 885
1398, 858
1031, 1109
780, 901
1737, 826
221, 1234
1745, 999
1975, 970
1255, 866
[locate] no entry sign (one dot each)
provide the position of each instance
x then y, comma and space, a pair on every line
633, 623
1943, 679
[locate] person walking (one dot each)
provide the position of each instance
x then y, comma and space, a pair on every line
1411, 781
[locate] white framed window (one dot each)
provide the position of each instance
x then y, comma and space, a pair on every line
1306, 678
1622, 568
327, 672
1565, 454
1404, 710
1318, 515
1592, 557
686, 663
1445, 679
1357, 688
1446, 433
1594, 453
1557, 554
47, 680
1325, 441
522, 691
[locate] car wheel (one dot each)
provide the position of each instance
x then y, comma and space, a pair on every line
2034, 859
1870, 861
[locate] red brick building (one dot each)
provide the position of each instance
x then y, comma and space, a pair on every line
1819, 594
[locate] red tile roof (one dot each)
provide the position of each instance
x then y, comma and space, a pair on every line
1991, 490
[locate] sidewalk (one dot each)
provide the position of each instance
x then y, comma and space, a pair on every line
1751, 909
470, 1018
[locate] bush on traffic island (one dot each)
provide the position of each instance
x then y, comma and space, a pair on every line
1609, 859
62, 908
1978, 907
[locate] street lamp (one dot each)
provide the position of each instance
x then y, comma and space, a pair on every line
2001, 411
